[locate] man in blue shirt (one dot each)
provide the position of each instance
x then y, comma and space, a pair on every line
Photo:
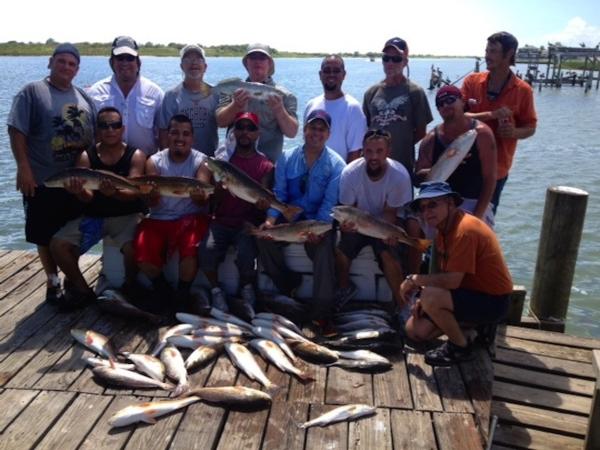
307, 176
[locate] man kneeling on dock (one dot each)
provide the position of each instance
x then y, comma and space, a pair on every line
473, 283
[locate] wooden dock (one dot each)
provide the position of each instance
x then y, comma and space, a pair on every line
542, 388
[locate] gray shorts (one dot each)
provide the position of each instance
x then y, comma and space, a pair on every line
121, 229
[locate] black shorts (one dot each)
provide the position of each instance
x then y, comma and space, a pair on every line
47, 211
477, 307
352, 243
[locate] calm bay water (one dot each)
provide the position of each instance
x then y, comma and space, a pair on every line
564, 151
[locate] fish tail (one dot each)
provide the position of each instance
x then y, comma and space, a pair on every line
290, 212
306, 378
273, 389
181, 389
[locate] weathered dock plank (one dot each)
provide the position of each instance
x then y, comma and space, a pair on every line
12, 402
412, 430
391, 388
452, 390
371, 432
423, 384
548, 336
282, 432
16, 265
344, 387
456, 432
332, 437
545, 349
518, 436
546, 363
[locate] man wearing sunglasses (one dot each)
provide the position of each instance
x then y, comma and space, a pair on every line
503, 102
472, 286
49, 124
277, 115
232, 213
137, 97
475, 177
398, 105
108, 212
348, 122
192, 97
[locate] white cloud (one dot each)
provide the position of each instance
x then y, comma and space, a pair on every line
576, 31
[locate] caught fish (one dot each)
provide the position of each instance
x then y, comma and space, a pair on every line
114, 302
362, 355
100, 362
291, 232
451, 158
240, 185
273, 354
96, 342
281, 319
171, 186
193, 342
363, 325
285, 332
364, 312
127, 378
229, 318
314, 352
91, 179
259, 91
199, 321
147, 364
148, 411
272, 335
346, 412
285, 305
203, 355
375, 227
234, 395
355, 364
177, 330
244, 361
223, 331
175, 368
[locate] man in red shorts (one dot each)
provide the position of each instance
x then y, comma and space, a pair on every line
473, 283
175, 223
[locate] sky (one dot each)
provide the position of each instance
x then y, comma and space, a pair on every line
435, 27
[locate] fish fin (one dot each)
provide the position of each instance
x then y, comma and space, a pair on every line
181, 389
149, 419
290, 212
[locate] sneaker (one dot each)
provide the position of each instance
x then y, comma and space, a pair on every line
218, 299
72, 300
249, 295
53, 294
344, 295
448, 354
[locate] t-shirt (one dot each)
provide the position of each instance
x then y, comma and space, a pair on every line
400, 110
232, 211
270, 141
394, 189
472, 247
348, 122
516, 95
58, 125
200, 109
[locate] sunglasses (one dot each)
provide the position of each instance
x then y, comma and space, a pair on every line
378, 132
395, 59
248, 127
112, 125
128, 58
330, 70
258, 56
425, 206
448, 100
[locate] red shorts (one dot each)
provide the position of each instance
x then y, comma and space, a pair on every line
156, 240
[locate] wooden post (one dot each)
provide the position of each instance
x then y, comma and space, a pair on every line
515, 310
592, 438
562, 226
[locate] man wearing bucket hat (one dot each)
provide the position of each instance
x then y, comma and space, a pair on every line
472, 286
192, 97
277, 115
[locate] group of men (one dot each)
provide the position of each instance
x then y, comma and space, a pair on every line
351, 155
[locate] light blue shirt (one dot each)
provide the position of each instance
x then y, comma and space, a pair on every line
314, 190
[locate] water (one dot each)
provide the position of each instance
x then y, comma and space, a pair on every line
564, 151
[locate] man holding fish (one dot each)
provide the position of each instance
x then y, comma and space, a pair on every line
275, 107
307, 176
474, 177
109, 211
175, 223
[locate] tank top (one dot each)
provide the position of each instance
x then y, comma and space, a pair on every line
103, 206
467, 179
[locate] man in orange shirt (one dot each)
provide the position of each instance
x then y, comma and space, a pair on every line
502, 101
472, 286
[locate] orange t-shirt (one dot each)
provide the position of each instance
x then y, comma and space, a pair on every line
472, 247
516, 95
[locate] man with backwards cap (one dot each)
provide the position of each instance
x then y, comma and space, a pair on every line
193, 98
307, 176
137, 98
473, 283
475, 178
398, 105
231, 213
51, 121
277, 115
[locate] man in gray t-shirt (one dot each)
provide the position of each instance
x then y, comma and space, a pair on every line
194, 98
50, 123
277, 115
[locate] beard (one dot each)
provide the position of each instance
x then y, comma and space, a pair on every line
374, 172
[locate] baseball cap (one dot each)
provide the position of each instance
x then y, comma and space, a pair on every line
192, 48
124, 45
433, 189
319, 114
259, 48
67, 48
398, 43
246, 115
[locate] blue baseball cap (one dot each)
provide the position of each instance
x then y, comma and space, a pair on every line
434, 189
319, 114
67, 48
124, 45
398, 43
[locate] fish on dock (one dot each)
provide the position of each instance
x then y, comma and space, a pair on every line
291, 232
177, 330
129, 379
229, 318
171, 186
147, 364
91, 179
96, 342
101, 362
239, 396
175, 368
342, 413
362, 365
451, 158
243, 360
273, 354
203, 355
193, 342
314, 352
148, 411
114, 302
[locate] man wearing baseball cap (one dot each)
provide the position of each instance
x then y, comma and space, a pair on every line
192, 97
137, 98
308, 177
475, 178
472, 286
398, 105
277, 114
